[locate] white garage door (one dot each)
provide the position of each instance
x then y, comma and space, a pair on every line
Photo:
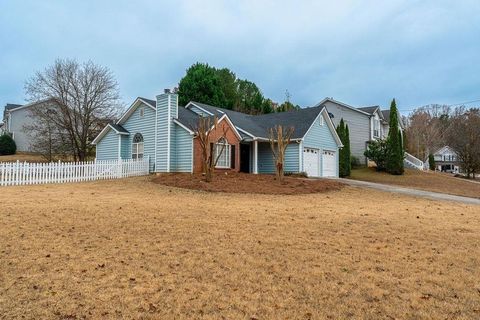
311, 162
329, 161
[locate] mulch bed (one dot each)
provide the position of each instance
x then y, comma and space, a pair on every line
248, 183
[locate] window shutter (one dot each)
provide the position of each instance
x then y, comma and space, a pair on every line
232, 157
211, 152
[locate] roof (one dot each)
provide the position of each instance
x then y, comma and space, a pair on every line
386, 115
11, 106
259, 125
152, 103
343, 105
119, 128
369, 110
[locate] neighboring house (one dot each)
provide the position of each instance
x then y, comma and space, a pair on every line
365, 124
166, 134
446, 160
17, 118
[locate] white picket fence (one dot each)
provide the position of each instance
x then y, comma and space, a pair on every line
23, 173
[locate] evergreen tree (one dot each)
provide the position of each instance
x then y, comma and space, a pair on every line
395, 153
342, 166
202, 83
7, 145
431, 162
347, 153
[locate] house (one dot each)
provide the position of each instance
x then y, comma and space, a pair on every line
365, 124
165, 132
19, 122
446, 160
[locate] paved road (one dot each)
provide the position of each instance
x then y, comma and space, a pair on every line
411, 192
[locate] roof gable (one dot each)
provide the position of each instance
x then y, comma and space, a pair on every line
134, 106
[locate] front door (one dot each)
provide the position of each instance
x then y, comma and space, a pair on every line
244, 157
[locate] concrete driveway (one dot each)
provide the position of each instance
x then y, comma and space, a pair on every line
411, 192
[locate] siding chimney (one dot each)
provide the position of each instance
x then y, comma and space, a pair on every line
167, 110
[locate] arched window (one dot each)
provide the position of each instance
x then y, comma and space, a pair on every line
222, 148
137, 146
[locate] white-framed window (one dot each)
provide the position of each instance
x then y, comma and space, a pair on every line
137, 146
142, 112
222, 148
322, 121
376, 128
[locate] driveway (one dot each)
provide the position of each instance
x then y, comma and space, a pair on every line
411, 192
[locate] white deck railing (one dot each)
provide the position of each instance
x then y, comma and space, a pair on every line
24, 173
414, 161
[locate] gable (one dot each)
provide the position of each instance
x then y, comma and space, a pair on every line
321, 136
138, 103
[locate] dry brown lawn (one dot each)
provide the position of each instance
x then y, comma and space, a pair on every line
28, 157
429, 181
134, 249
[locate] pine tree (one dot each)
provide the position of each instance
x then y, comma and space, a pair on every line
347, 153
395, 153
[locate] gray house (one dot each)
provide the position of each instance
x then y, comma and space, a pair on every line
365, 123
17, 119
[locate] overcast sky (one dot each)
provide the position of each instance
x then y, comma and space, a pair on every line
358, 52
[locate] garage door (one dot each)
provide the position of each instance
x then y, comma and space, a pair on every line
329, 161
311, 162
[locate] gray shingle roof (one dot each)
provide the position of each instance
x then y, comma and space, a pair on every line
386, 115
153, 103
258, 125
119, 128
369, 110
10, 106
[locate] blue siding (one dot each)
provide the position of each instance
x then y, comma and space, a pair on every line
126, 148
266, 162
107, 147
144, 125
320, 137
164, 123
182, 150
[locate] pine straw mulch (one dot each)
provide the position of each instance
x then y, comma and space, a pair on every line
248, 183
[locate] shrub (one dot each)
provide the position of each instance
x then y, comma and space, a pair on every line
7, 145
344, 156
378, 152
354, 162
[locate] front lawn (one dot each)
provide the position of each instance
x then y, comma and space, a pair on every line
429, 181
133, 249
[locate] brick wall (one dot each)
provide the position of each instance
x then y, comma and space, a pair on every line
214, 136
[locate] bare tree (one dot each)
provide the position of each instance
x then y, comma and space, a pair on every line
279, 139
46, 138
463, 136
85, 94
205, 127
426, 128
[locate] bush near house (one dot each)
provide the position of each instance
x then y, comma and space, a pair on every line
7, 145
377, 152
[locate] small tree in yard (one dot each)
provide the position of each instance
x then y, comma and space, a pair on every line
279, 138
205, 127
377, 152
431, 162
7, 145
344, 156
395, 153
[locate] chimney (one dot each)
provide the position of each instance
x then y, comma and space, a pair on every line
167, 110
